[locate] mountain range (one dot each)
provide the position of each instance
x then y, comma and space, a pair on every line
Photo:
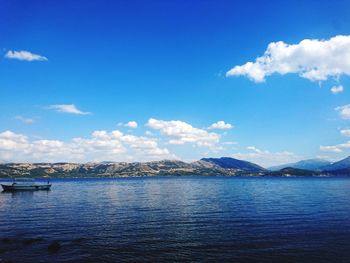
310, 164
224, 166
340, 167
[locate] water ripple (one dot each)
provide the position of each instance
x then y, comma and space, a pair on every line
179, 219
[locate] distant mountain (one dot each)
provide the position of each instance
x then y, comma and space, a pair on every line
231, 163
290, 171
206, 166
340, 165
224, 166
310, 164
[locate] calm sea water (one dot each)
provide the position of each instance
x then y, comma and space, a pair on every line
179, 219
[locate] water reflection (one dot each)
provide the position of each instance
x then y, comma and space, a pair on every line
25, 193
179, 219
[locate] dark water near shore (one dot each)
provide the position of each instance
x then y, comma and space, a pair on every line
177, 219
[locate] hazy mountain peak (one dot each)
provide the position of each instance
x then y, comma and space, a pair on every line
308, 164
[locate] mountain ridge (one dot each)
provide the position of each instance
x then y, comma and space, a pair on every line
232, 163
308, 164
117, 169
224, 166
342, 164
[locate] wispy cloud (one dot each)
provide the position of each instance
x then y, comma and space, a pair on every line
267, 158
67, 108
338, 148
335, 148
313, 59
25, 120
230, 143
24, 56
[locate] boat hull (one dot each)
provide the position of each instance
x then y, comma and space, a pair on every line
10, 188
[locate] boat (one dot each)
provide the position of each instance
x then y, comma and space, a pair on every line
25, 184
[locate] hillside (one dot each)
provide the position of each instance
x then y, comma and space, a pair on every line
290, 171
340, 165
231, 163
224, 166
310, 164
210, 166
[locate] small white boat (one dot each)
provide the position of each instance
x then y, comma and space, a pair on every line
25, 184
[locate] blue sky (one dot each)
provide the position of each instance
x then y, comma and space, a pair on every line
163, 65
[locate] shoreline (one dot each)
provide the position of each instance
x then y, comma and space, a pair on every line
9, 178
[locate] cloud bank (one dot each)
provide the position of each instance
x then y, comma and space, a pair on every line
157, 144
100, 146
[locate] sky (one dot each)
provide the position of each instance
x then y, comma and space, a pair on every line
263, 81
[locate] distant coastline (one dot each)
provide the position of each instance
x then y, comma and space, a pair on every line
224, 166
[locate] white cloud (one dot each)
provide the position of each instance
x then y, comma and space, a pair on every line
25, 120
266, 158
67, 108
100, 146
229, 143
335, 148
10, 140
131, 124
221, 125
180, 132
254, 149
24, 55
345, 132
313, 59
337, 89
330, 149
344, 111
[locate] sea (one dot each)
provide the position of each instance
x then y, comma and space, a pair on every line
179, 219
